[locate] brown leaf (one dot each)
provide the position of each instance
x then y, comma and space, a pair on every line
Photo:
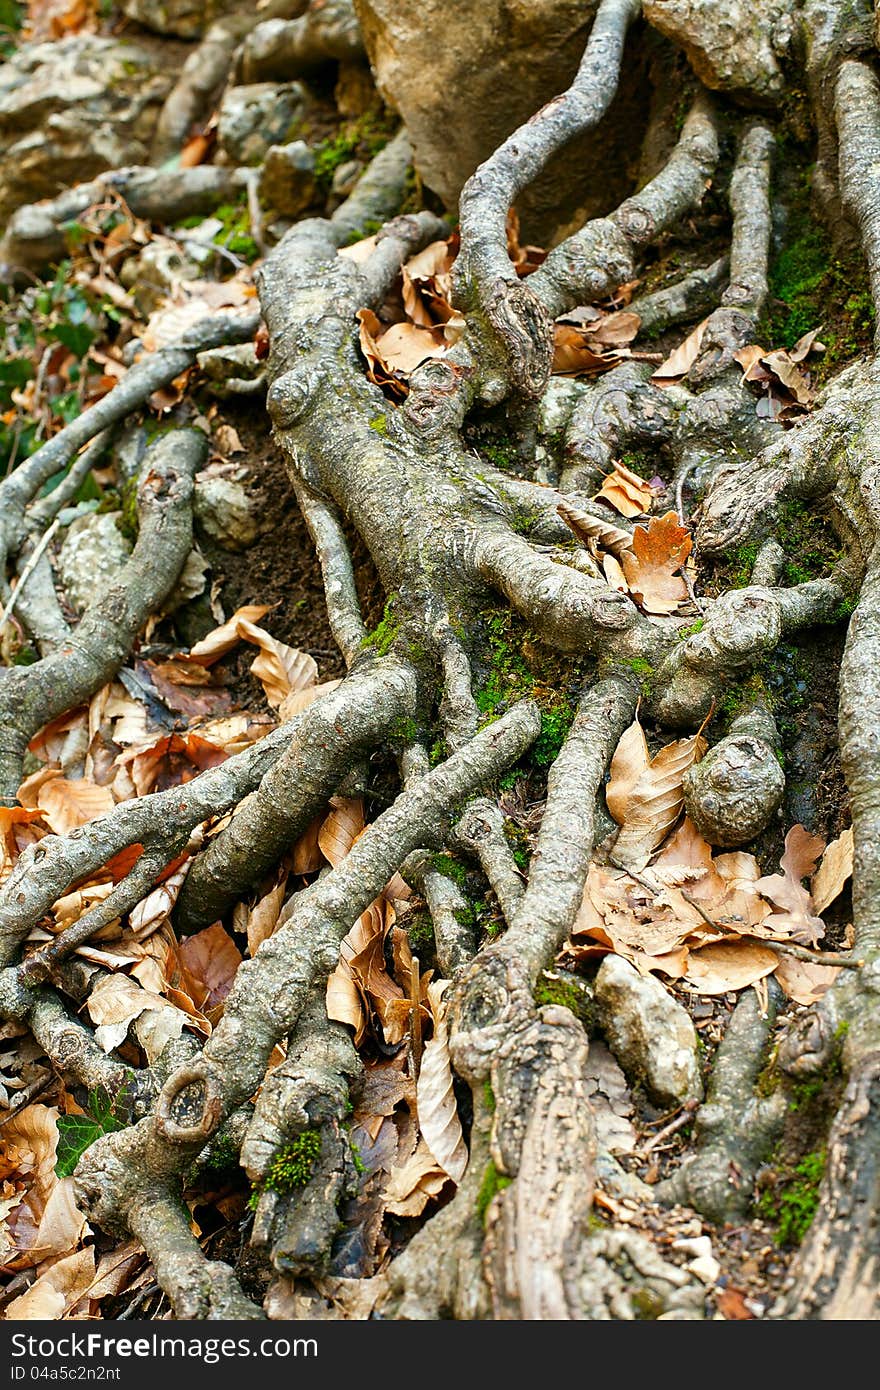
626, 492
411, 1186
631, 758
794, 916
212, 959
263, 916
65, 804
804, 981
438, 1111
341, 828
656, 799
223, 638
591, 530
658, 552
725, 966
57, 1290
680, 361
836, 867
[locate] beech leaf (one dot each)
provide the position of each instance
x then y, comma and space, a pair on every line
438, 1111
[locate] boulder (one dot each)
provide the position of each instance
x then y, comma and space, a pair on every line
73, 108
734, 47
464, 76
92, 557
255, 117
287, 179
649, 1032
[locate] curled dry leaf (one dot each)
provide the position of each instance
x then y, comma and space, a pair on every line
794, 916
680, 361
725, 966
411, 1186
836, 867
57, 1290
626, 492
648, 795
65, 804
590, 530
438, 1111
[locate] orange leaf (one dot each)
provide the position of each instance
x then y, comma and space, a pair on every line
651, 567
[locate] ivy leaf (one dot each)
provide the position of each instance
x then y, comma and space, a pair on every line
76, 1133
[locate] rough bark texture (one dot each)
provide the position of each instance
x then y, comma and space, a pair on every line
686, 109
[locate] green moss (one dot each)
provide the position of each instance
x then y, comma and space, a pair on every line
646, 672
385, 631
357, 1160
555, 724
493, 1183
791, 1204
379, 424
292, 1165
811, 286
358, 139
235, 234
489, 1097
404, 730
567, 993
451, 868
646, 1305
420, 930
221, 1155
686, 632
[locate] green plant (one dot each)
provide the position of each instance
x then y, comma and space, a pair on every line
291, 1167
76, 1133
792, 1205
493, 1183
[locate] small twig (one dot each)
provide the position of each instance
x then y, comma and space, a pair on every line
415, 1015
25, 1097
35, 558
684, 1117
843, 960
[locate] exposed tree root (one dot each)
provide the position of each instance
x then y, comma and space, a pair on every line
450, 535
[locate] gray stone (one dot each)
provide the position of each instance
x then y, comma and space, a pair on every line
649, 1032
464, 76
188, 19
234, 370
345, 177
224, 512
253, 118
732, 47
73, 108
287, 179
155, 272
92, 557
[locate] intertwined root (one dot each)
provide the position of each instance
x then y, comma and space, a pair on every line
446, 533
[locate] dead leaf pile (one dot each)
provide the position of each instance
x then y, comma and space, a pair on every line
780, 377
659, 897
590, 340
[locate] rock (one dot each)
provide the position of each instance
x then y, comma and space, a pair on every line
287, 179
188, 19
73, 108
92, 557
224, 512
233, 371
649, 1032
733, 791
253, 118
345, 176
155, 272
464, 76
734, 47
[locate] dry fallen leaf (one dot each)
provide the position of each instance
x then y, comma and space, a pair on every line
794, 916
680, 361
65, 804
649, 795
438, 1111
652, 566
834, 870
626, 492
726, 966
